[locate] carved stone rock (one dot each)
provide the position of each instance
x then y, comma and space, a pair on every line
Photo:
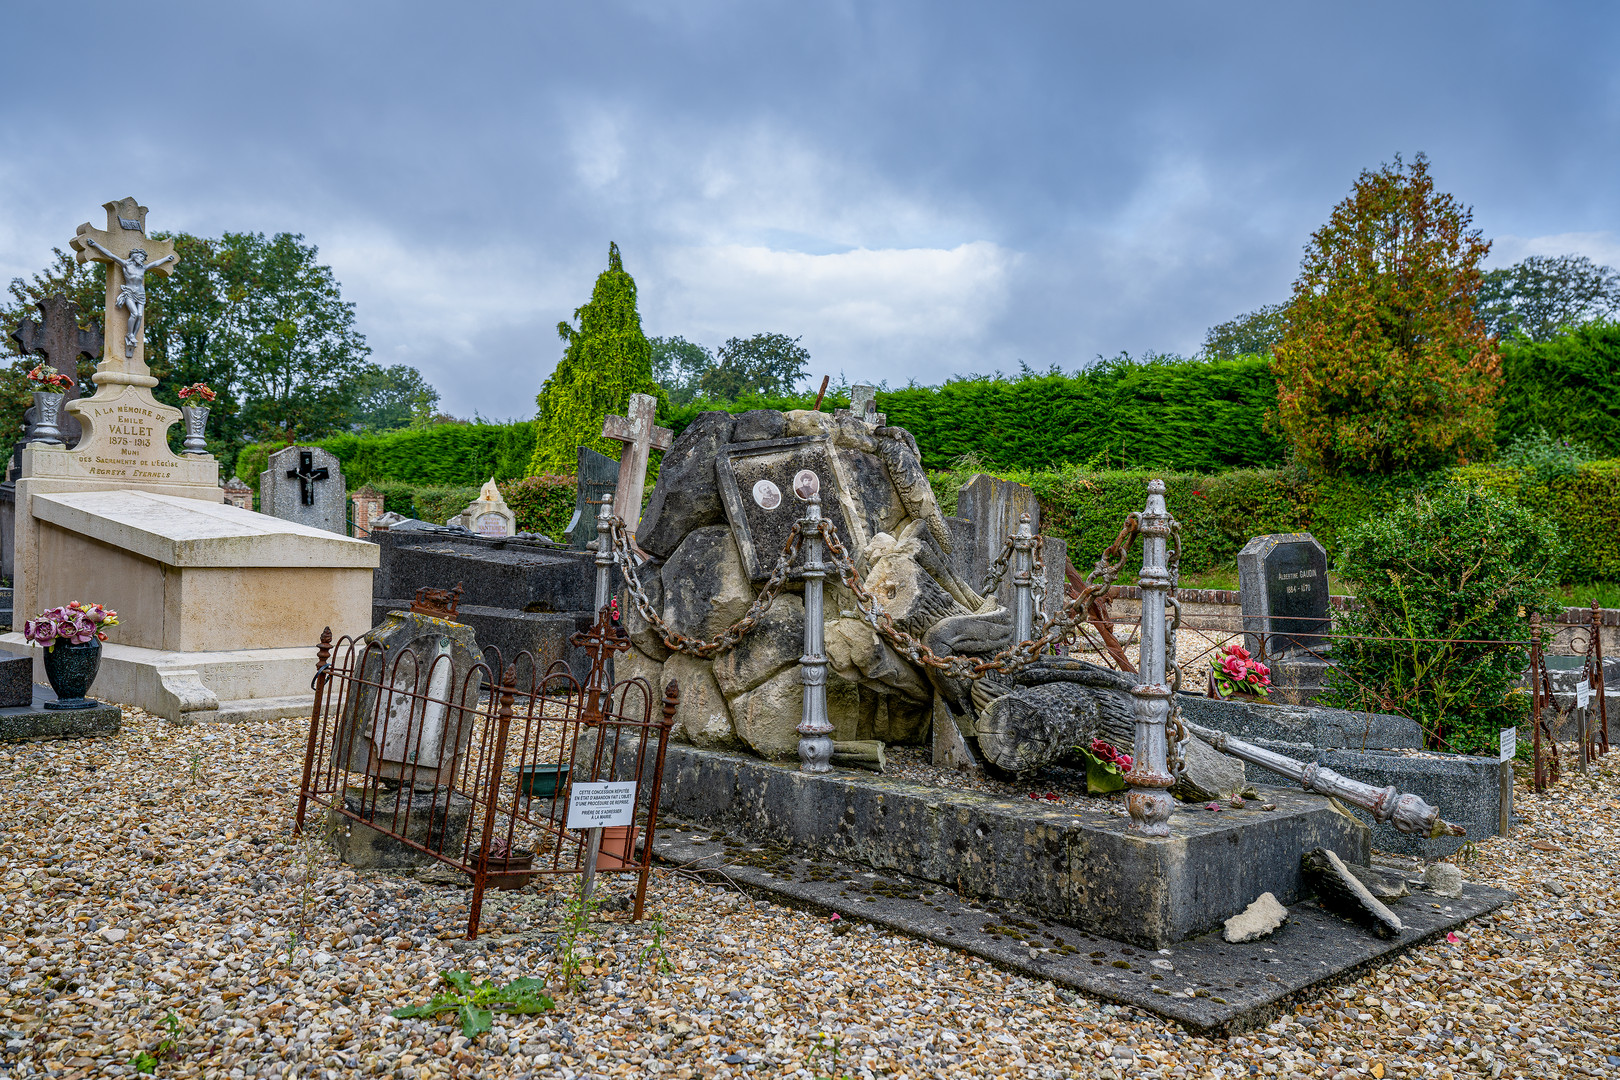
1210, 775
702, 718
1033, 726
705, 586
685, 497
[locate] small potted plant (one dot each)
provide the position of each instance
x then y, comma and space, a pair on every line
50, 389
71, 636
1235, 673
196, 414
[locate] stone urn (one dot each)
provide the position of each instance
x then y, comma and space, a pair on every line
196, 419
71, 669
48, 407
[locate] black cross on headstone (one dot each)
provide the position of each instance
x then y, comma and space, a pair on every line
58, 340
306, 474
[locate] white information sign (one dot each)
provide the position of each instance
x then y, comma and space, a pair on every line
1583, 694
1509, 740
602, 803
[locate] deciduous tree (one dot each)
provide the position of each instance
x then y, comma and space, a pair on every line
1384, 366
1541, 296
765, 364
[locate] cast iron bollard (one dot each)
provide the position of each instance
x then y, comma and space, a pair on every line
604, 549
815, 748
1148, 800
1023, 582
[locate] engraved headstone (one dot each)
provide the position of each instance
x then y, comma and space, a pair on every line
753, 478
597, 475
305, 484
488, 515
1283, 587
403, 722
863, 403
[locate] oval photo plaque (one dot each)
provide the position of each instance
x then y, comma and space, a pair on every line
806, 484
767, 495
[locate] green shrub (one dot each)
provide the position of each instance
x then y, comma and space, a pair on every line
543, 504
1584, 505
1458, 563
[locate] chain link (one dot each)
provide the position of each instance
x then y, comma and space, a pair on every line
731, 635
998, 568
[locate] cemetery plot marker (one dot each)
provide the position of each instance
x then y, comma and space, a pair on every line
129, 256
1283, 586
58, 340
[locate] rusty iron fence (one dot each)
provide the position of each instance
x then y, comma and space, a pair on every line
475, 771
1546, 714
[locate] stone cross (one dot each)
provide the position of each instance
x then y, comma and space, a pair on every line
58, 340
640, 437
306, 474
129, 256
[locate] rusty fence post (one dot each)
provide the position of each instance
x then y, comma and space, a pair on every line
672, 703
1597, 676
323, 675
1535, 700
497, 763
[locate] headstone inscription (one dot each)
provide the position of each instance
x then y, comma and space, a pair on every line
305, 484
640, 436
597, 475
752, 479
1283, 587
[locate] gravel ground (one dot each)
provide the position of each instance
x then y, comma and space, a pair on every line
155, 874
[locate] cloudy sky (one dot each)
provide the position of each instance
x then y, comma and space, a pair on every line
919, 189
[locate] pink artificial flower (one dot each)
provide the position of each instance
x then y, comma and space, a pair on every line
1452, 939
1238, 651
1216, 807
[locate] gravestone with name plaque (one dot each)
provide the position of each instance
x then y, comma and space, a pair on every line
756, 480
1283, 587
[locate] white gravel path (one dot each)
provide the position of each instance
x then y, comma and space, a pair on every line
155, 873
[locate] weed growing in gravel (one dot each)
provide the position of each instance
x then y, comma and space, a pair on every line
196, 766
310, 864
576, 927
833, 1048
474, 1003
146, 1061
653, 953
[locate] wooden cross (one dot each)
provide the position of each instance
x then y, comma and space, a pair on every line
58, 340
129, 256
640, 437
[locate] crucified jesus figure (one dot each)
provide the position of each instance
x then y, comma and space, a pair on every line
132, 293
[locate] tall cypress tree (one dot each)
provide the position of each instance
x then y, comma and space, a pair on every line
605, 360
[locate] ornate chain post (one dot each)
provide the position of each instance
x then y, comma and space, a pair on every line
1023, 543
604, 550
1148, 801
815, 748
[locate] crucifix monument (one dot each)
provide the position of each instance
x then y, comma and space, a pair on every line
121, 520
640, 437
58, 340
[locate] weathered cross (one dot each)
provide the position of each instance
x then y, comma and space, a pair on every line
129, 256
306, 474
640, 437
58, 340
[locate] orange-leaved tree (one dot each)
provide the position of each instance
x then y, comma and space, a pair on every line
1384, 366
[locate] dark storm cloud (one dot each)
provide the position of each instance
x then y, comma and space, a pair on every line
918, 189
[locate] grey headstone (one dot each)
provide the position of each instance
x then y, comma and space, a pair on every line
305, 484
994, 507
598, 475
756, 488
1283, 586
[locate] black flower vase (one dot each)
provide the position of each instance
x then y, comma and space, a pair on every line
71, 669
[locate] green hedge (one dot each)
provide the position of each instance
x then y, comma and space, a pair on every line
1220, 512
1569, 386
1192, 416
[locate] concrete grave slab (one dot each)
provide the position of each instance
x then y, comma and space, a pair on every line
33, 721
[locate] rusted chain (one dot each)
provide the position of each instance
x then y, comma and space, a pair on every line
731, 635
1056, 628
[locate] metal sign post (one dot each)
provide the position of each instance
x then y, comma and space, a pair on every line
593, 807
